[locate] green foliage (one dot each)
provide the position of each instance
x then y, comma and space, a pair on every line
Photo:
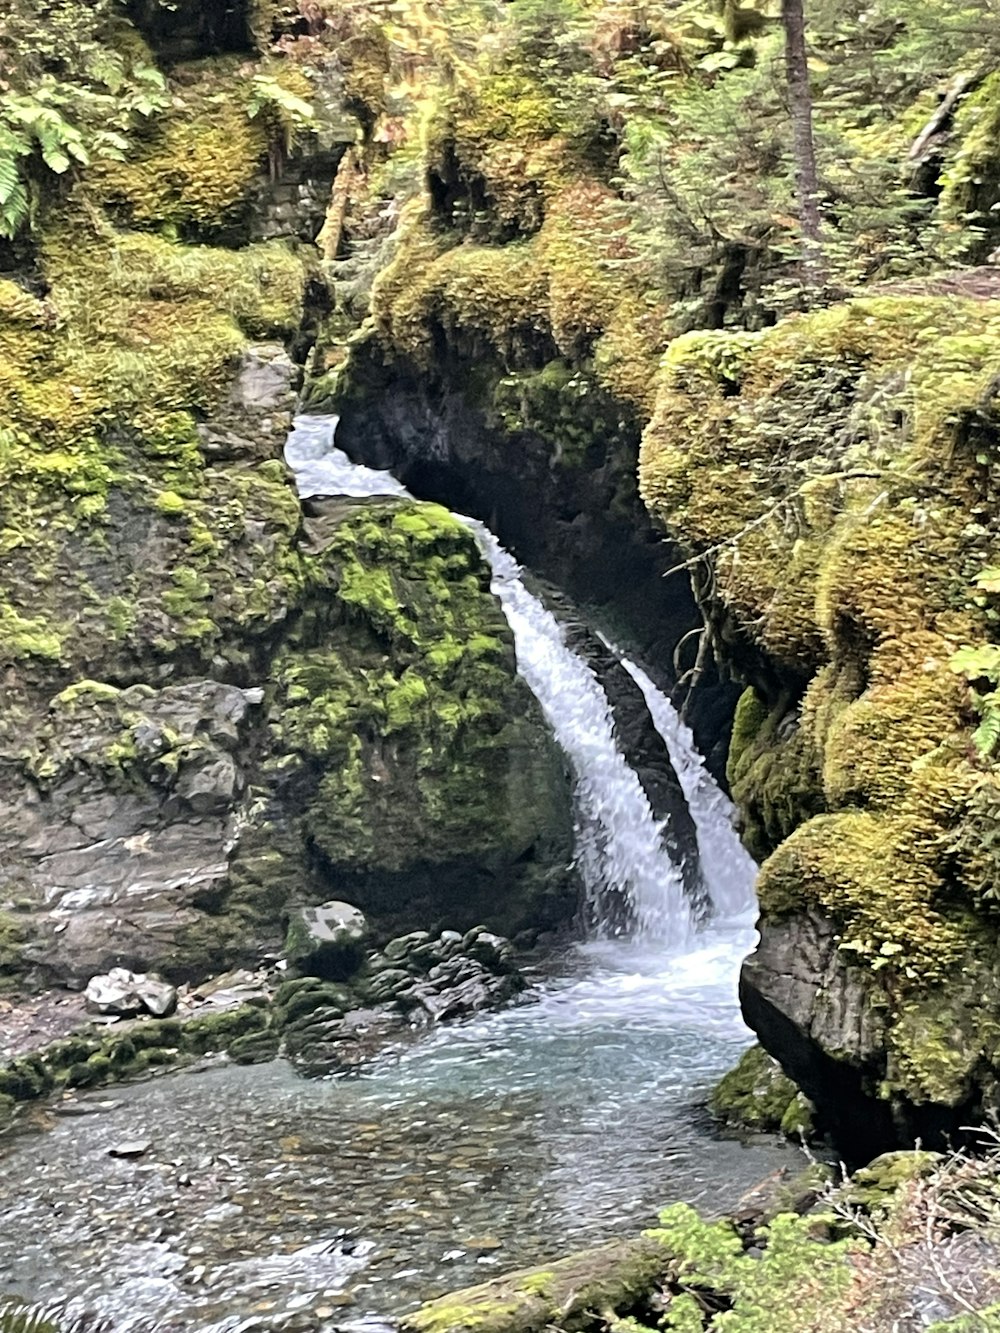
15, 1318
797, 1283
68, 96
294, 115
978, 665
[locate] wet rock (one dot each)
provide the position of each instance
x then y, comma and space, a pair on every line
493, 951
268, 378
131, 1149
327, 941
403, 945
126, 994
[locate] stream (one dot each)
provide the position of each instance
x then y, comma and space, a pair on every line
267, 1201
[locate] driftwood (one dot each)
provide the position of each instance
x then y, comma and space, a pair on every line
348, 173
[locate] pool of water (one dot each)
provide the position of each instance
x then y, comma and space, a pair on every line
508, 1140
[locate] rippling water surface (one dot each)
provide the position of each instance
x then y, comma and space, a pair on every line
508, 1140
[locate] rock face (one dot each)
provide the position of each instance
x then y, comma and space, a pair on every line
208, 714
846, 595
116, 831
394, 752
573, 516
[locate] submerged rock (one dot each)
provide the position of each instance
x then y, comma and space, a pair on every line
131, 1149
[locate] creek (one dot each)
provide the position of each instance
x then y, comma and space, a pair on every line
269, 1201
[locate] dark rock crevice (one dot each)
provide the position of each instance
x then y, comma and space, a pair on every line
580, 525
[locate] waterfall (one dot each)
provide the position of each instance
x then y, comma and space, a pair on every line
728, 868
620, 852
619, 847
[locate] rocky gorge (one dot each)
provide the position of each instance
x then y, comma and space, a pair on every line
284, 744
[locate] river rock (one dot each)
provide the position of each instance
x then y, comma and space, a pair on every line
327, 941
131, 1149
127, 994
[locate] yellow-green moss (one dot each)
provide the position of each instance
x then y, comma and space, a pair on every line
822, 468
971, 180
873, 874
755, 1094
98, 384
197, 162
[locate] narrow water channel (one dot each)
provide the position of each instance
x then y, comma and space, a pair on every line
267, 1201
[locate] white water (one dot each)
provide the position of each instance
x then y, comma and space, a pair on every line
620, 851
728, 868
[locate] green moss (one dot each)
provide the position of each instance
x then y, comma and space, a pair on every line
748, 721
170, 503
566, 407
757, 1096
197, 163
13, 934
87, 691
214, 1032
971, 180
607, 1278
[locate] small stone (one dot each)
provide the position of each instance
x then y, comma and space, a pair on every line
483, 1243
125, 994
131, 1148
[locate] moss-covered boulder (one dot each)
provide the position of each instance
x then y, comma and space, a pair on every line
756, 1095
838, 476
429, 786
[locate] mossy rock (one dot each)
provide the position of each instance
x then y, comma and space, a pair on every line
253, 1048
757, 1096
215, 1032
427, 771
876, 1187
566, 1293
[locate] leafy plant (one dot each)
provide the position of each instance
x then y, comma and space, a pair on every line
981, 664
795, 1283
17, 1318
66, 96
292, 114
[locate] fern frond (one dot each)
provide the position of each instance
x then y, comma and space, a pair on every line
987, 734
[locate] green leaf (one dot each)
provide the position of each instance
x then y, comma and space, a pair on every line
974, 663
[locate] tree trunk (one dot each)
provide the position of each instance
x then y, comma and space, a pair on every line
803, 146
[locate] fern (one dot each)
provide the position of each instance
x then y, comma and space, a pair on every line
976, 664
26, 1319
292, 113
16, 1317
68, 96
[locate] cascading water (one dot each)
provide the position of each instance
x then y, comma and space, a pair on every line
728, 868
271, 1202
620, 850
